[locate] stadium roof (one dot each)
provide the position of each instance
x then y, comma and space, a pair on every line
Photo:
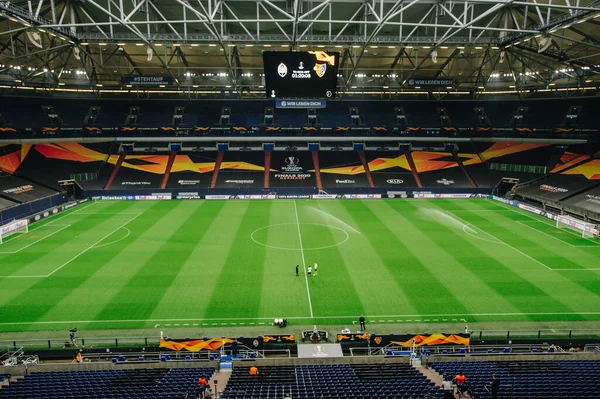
203, 45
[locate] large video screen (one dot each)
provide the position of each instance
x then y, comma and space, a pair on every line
307, 74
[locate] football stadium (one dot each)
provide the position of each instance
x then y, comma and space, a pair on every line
306, 199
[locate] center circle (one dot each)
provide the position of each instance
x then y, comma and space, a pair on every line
286, 236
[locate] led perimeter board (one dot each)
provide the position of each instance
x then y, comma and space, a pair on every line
306, 74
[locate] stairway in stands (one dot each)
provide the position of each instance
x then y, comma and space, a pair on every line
464, 170
413, 168
170, 162
365, 164
315, 157
267, 181
215, 175
115, 170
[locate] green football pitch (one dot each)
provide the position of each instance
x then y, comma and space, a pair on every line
128, 264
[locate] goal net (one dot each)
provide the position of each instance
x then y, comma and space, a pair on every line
587, 230
17, 226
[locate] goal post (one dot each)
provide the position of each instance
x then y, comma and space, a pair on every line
17, 226
586, 229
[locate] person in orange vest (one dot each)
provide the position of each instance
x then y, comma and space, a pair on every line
78, 357
202, 382
460, 381
253, 370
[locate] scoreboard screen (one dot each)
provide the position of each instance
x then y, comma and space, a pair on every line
307, 74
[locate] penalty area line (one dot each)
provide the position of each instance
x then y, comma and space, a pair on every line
508, 245
93, 245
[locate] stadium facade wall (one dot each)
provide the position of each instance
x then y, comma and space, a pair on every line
25, 210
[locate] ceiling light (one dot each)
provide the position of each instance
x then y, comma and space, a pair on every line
339, 46
588, 81
121, 44
231, 45
102, 44
158, 45
212, 45
268, 45
249, 45
426, 46
444, 47
84, 43
195, 45
162, 86
177, 45
98, 84
478, 48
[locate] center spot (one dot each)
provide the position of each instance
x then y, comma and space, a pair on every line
285, 236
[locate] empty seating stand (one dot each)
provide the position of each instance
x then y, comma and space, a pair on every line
374, 381
172, 383
556, 379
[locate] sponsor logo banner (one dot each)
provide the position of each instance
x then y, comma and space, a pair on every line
189, 196
395, 181
431, 195
147, 80
433, 82
18, 190
553, 189
300, 104
300, 196
135, 183
219, 197
445, 182
239, 181
188, 182
133, 197
253, 197
324, 196
345, 181
361, 196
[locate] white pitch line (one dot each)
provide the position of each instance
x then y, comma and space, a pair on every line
116, 241
546, 234
576, 270
508, 245
36, 241
542, 219
375, 318
92, 246
51, 223
303, 260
